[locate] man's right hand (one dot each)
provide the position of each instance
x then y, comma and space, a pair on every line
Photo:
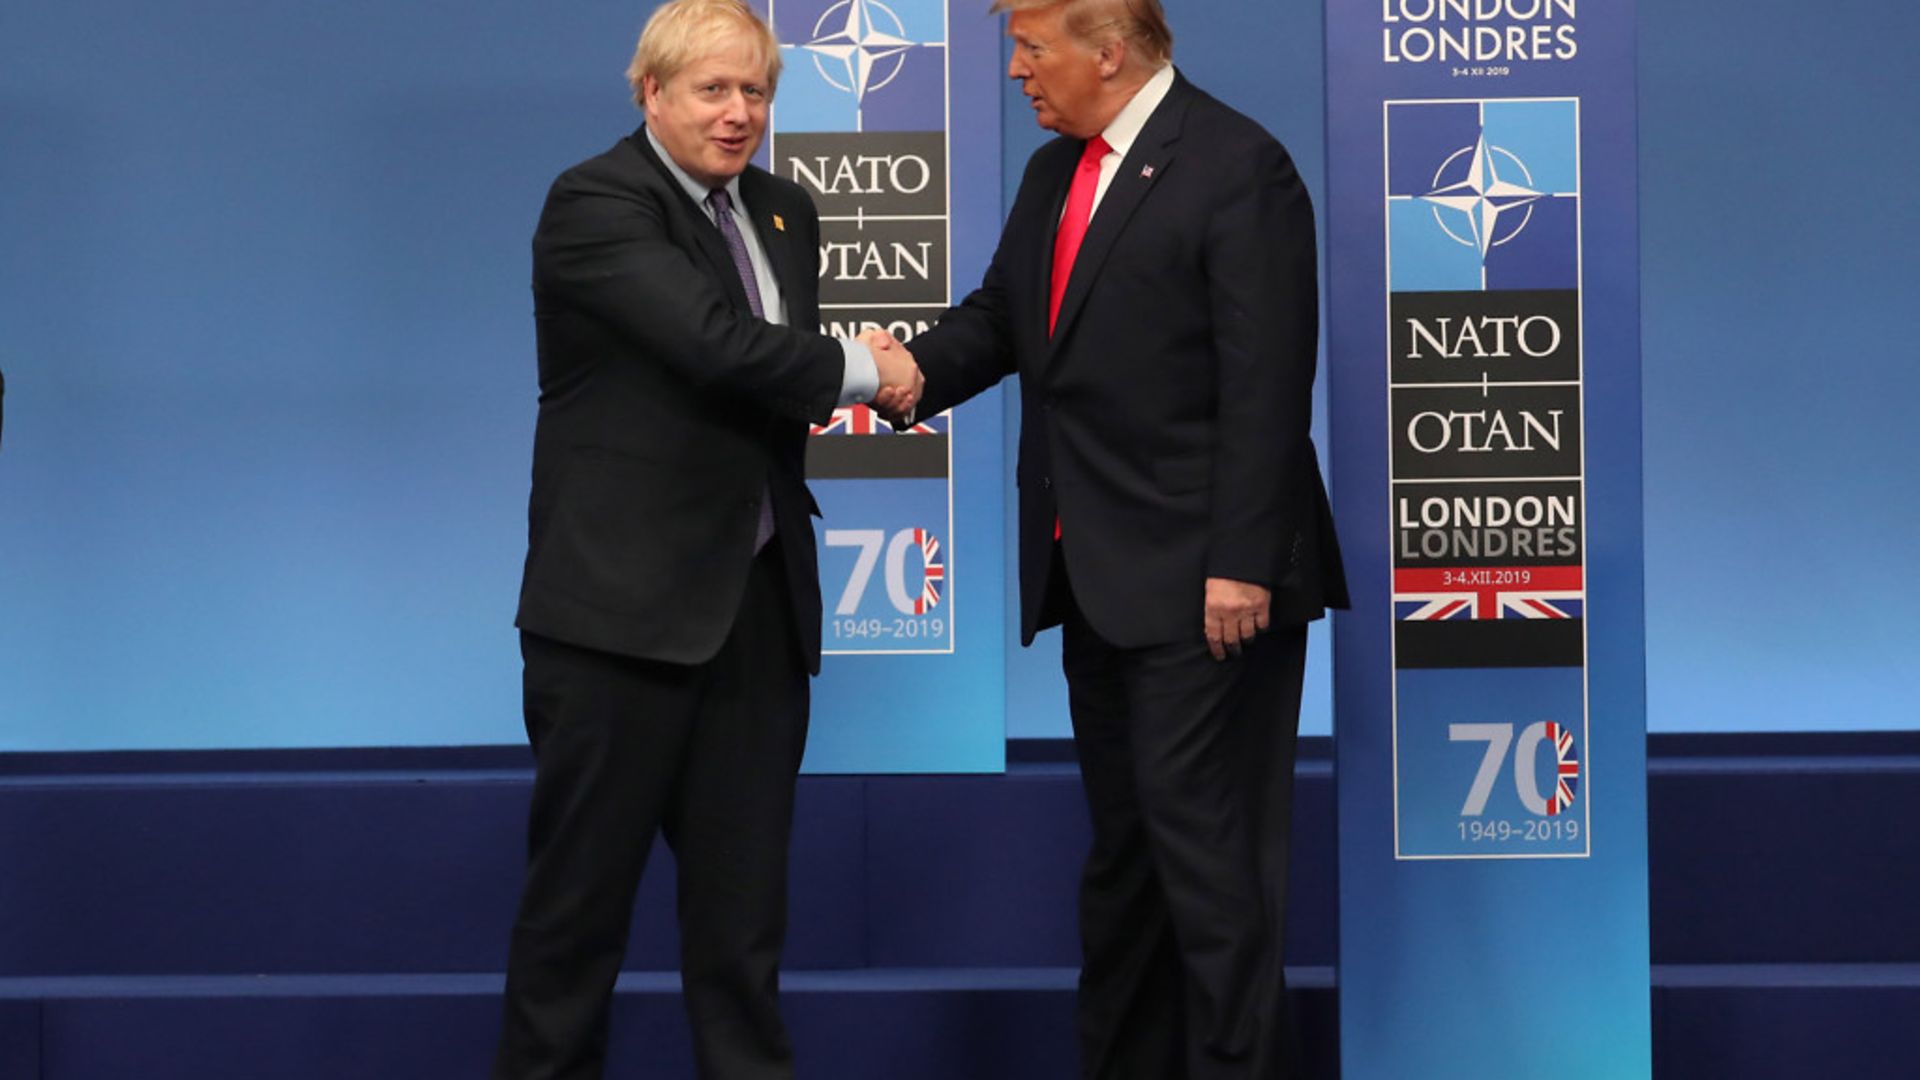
900, 380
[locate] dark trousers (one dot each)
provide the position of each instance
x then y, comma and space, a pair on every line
1187, 763
707, 755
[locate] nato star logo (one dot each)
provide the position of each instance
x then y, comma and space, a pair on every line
858, 46
1483, 195
1484, 200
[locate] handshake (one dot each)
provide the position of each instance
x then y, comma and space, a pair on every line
900, 380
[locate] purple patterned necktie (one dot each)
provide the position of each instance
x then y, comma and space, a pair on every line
722, 205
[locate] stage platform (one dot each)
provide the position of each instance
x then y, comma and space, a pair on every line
343, 914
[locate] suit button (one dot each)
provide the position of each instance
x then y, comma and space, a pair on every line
1047, 482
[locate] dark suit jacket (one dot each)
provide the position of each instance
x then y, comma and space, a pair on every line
667, 410
1166, 421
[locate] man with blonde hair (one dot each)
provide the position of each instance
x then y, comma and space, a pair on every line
1154, 290
670, 609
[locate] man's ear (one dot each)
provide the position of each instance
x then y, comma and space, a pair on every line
1112, 57
649, 89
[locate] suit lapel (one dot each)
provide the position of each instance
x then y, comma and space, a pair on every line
772, 224
706, 235
1152, 154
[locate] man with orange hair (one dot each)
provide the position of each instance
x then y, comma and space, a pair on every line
1154, 289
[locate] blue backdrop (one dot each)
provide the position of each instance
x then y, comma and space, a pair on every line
267, 322
264, 314
1781, 514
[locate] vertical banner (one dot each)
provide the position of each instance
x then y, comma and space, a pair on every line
911, 564
1490, 721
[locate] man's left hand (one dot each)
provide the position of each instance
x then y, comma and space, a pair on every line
1236, 611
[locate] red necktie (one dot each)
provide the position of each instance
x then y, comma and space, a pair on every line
1073, 229
1073, 224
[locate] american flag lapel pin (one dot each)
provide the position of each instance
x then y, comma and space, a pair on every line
1146, 172
780, 223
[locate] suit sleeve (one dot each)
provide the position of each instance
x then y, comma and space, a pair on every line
970, 348
608, 251
1261, 277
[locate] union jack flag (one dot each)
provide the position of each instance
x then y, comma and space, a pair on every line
936, 572
862, 420
1488, 592
1568, 769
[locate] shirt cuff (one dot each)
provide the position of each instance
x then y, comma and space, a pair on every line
861, 378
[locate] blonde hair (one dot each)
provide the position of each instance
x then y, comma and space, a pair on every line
1142, 24
682, 32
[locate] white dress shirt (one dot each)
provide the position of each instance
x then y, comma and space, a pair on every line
1125, 129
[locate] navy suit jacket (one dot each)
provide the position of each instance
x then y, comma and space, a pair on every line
668, 411
1166, 420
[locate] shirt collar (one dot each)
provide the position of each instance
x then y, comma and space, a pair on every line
1134, 114
695, 190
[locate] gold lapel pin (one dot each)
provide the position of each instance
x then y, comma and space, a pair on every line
780, 223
